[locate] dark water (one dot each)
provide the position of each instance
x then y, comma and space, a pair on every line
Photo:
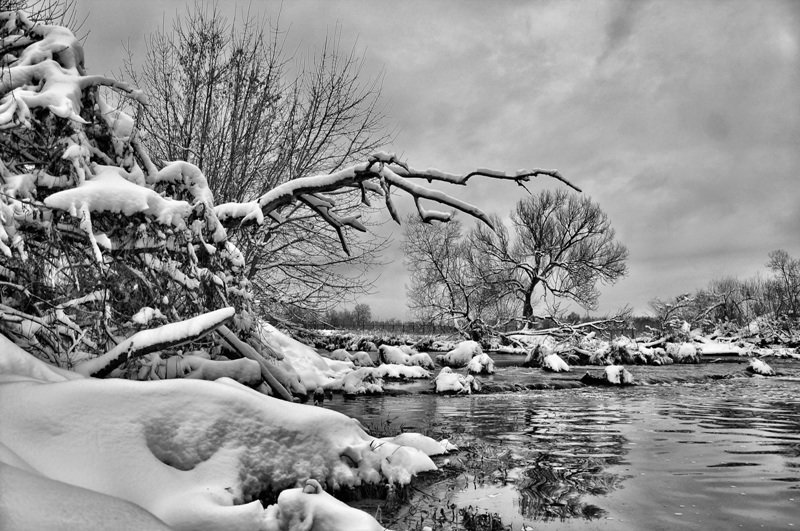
699, 447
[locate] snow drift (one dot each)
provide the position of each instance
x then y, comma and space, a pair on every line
196, 454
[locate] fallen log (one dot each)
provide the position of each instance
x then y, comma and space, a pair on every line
249, 352
153, 340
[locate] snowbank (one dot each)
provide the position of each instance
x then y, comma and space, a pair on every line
196, 454
312, 369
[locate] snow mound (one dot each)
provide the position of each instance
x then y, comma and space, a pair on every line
554, 363
393, 355
460, 356
313, 509
422, 443
448, 381
618, 375
759, 367
391, 370
196, 454
361, 359
339, 354
421, 359
312, 369
481, 364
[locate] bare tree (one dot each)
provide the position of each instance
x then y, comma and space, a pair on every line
362, 315
100, 244
787, 277
450, 279
563, 246
226, 97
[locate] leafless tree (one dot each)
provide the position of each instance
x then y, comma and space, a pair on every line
450, 279
563, 246
787, 277
227, 97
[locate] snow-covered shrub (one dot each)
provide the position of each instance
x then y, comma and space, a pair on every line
460, 356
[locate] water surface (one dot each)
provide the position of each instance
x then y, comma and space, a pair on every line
694, 447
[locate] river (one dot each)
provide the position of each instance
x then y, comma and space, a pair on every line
691, 447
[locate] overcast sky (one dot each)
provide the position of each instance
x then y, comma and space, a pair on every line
681, 118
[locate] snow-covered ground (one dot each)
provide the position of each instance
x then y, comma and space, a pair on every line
195, 454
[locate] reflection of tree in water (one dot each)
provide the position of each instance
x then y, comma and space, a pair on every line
573, 450
549, 491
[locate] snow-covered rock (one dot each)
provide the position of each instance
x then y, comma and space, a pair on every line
759, 367
481, 364
421, 359
312, 509
460, 356
392, 370
339, 354
554, 362
361, 359
612, 375
422, 443
448, 381
442, 346
508, 349
390, 354
618, 375
682, 352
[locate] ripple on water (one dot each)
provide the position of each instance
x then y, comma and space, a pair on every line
720, 453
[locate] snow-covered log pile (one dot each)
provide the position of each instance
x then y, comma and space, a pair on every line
680, 346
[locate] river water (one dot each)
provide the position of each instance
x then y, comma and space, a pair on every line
692, 447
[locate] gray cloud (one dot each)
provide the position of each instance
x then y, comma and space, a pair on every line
682, 119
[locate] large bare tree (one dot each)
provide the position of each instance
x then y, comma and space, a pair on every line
562, 247
225, 95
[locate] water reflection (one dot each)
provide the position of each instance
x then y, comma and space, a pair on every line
723, 453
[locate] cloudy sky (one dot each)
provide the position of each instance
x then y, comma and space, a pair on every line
681, 118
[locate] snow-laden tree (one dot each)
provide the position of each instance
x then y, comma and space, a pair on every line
109, 260
225, 96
